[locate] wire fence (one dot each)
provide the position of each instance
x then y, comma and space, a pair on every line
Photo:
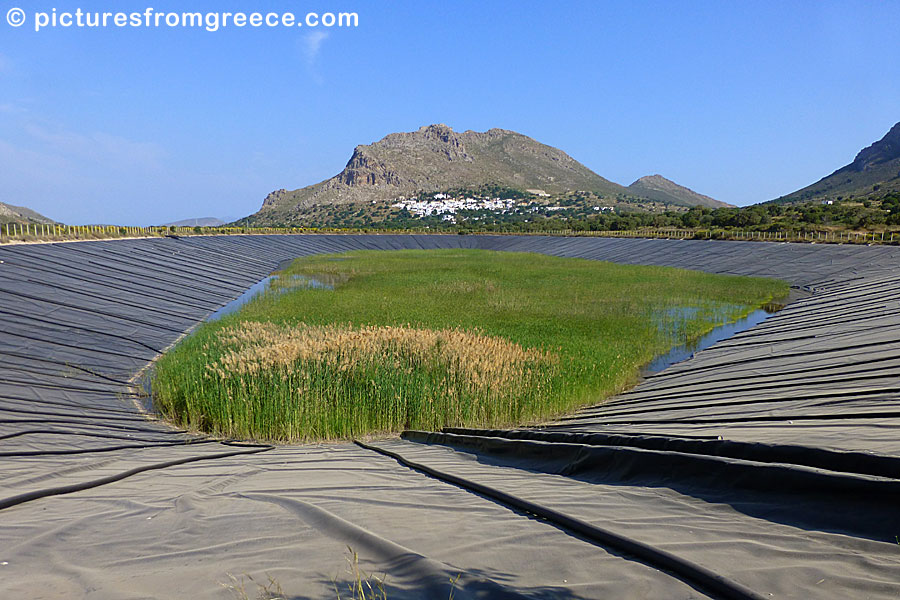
830, 237
36, 232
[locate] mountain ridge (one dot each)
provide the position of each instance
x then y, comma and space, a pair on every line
434, 159
874, 170
196, 222
10, 213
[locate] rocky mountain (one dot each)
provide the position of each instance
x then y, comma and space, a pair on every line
436, 158
657, 187
874, 171
20, 214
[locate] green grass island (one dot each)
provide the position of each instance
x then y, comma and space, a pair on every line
375, 342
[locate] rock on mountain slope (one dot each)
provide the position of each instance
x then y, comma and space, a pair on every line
20, 214
657, 187
436, 158
875, 170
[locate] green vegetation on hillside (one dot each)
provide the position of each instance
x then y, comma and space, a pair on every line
876, 213
585, 211
427, 339
401, 213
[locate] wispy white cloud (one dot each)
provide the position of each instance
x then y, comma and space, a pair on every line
311, 48
312, 45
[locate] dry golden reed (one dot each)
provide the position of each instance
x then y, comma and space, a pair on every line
487, 362
303, 382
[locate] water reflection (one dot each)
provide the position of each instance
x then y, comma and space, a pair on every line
671, 322
278, 284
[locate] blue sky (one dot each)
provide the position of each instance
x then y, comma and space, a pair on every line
743, 101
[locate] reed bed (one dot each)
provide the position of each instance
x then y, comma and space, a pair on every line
298, 382
441, 338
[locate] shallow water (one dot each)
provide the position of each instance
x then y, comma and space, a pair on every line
722, 331
275, 284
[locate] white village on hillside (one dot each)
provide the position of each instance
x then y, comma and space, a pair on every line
449, 206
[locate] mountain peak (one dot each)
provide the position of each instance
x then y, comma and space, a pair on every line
654, 179
436, 130
435, 158
882, 151
656, 187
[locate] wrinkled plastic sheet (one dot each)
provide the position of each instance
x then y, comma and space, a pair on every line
765, 466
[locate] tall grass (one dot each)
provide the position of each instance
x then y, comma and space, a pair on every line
425, 339
311, 382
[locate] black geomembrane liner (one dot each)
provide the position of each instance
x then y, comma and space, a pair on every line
765, 466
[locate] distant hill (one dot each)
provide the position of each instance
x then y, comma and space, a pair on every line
198, 222
20, 214
874, 171
657, 187
436, 158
